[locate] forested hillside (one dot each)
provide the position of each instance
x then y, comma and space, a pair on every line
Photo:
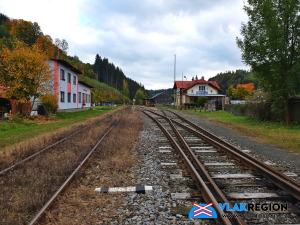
151, 93
229, 78
102, 70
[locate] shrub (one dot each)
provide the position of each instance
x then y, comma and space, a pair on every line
201, 101
259, 105
50, 102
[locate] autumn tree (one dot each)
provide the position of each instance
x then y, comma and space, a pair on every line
139, 95
45, 43
270, 45
25, 31
125, 90
25, 73
242, 91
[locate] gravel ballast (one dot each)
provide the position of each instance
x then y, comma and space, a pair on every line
154, 207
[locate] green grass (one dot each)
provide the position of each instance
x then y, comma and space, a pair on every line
278, 134
12, 133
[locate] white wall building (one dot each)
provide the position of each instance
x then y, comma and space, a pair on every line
189, 91
71, 93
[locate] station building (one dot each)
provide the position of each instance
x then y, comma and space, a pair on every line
189, 91
161, 99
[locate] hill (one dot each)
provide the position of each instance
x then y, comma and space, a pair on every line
151, 92
229, 78
102, 70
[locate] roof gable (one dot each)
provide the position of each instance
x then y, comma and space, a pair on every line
68, 65
189, 84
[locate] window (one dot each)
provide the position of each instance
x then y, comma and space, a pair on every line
83, 100
192, 91
62, 74
62, 96
74, 80
202, 88
69, 78
74, 97
87, 98
69, 97
79, 97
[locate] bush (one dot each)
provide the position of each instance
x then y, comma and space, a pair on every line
50, 102
260, 105
201, 101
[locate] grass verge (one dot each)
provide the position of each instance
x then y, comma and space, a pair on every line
12, 132
286, 136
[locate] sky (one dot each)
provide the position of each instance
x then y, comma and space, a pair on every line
143, 37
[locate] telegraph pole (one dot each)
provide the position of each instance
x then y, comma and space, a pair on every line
175, 94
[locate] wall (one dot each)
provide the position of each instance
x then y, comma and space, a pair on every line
208, 89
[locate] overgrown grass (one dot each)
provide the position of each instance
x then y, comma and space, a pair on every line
25, 189
12, 133
278, 134
110, 166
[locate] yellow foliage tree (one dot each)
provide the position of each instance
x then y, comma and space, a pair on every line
25, 73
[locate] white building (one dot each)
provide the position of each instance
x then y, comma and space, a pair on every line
189, 91
71, 93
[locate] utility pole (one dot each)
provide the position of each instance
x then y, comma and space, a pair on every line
174, 67
175, 94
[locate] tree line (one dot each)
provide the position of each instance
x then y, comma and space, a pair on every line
234, 78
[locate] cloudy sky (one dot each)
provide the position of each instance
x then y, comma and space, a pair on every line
142, 37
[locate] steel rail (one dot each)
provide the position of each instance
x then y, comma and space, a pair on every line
38, 216
279, 179
209, 134
207, 194
41, 151
201, 169
37, 153
204, 174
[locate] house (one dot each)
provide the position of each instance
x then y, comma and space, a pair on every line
71, 93
189, 91
161, 99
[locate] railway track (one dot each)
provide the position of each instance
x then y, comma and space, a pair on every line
49, 147
29, 183
225, 175
38, 216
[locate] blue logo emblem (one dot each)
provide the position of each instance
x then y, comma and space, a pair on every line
203, 211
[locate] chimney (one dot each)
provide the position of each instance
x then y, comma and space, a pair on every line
196, 77
192, 78
202, 78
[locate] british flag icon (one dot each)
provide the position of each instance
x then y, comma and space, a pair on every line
203, 211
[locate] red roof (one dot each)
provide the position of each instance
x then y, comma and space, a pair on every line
189, 84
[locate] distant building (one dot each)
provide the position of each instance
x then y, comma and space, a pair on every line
189, 91
161, 99
71, 93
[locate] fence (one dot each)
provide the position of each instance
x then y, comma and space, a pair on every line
244, 110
